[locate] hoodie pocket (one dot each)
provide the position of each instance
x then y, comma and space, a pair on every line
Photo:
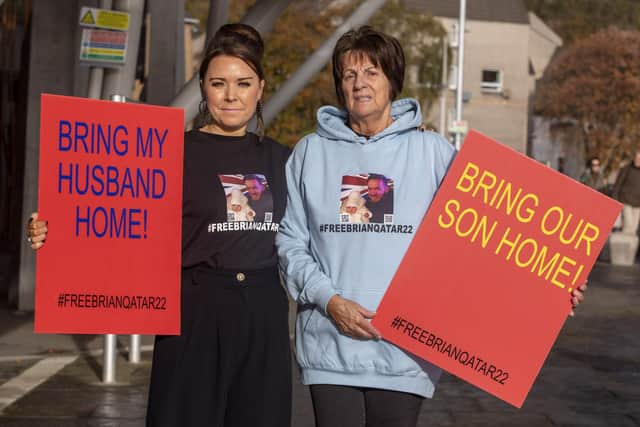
308, 345
320, 345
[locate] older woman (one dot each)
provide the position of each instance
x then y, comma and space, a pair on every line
338, 273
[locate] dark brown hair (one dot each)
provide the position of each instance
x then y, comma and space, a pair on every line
381, 49
590, 160
243, 42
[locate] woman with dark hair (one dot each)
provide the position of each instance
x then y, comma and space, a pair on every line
336, 270
592, 175
230, 365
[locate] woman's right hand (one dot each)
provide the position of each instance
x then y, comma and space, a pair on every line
351, 318
36, 231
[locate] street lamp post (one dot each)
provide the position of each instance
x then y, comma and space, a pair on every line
443, 88
463, 7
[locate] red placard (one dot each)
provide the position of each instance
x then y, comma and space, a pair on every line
110, 187
485, 285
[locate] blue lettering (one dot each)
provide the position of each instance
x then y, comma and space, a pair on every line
127, 183
62, 177
144, 147
134, 223
103, 212
97, 179
106, 139
82, 136
161, 139
112, 181
143, 182
117, 224
159, 184
82, 220
64, 133
82, 191
121, 146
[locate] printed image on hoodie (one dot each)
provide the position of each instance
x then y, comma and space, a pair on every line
248, 197
366, 198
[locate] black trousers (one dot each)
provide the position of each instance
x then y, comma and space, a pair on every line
231, 364
345, 406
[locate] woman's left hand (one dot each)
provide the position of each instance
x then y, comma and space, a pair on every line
351, 318
577, 296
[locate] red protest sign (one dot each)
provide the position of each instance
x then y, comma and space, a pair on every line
110, 187
485, 285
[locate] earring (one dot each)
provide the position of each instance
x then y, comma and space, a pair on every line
204, 111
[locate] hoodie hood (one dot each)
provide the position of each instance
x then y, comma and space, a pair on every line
332, 122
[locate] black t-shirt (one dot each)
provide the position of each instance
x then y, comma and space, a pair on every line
219, 226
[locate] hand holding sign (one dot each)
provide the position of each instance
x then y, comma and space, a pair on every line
577, 295
351, 318
36, 231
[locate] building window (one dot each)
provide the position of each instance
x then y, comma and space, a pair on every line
491, 81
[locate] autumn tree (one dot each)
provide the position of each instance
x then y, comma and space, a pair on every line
576, 19
594, 87
295, 36
422, 38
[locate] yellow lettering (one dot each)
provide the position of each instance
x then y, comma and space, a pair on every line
449, 213
496, 193
531, 242
543, 224
561, 271
468, 177
528, 211
542, 267
485, 185
587, 237
486, 236
511, 244
464, 213
510, 202
563, 239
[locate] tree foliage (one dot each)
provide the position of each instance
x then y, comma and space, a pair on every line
294, 37
298, 34
594, 86
422, 38
576, 19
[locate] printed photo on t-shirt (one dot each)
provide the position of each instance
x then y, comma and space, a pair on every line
366, 198
248, 197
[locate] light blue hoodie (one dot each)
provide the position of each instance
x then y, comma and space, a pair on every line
321, 257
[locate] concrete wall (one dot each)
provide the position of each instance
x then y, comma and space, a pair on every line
548, 147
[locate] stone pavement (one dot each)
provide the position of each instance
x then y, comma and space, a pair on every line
591, 377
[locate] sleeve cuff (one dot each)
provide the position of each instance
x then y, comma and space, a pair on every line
322, 297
